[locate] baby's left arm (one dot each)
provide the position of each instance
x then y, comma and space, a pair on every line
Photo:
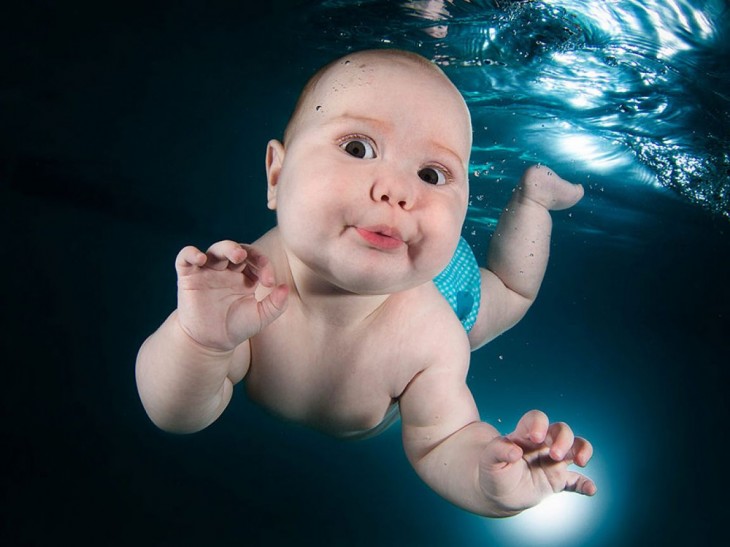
469, 463
519, 250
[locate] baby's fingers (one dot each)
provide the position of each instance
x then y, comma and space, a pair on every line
273, 305
258, 268
580, 484
560, 439
581, 452
500, 452
531, 429
226, 255
188, 258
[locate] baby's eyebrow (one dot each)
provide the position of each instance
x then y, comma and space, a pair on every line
448, 151
385, 124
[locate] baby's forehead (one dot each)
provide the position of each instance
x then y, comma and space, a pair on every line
365, 67
357, 79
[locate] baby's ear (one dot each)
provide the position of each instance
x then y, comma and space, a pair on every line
274, 160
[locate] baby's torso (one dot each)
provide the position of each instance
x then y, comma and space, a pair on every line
345, 380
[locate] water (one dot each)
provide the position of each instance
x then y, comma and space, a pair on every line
631, 87
128, 133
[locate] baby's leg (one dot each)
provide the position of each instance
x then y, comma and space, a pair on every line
541, 184
519, 250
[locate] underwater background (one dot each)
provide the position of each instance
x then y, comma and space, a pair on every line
130, 130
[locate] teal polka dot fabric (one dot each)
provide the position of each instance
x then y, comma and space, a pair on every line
460, 283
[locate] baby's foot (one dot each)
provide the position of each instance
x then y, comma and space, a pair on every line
542, 185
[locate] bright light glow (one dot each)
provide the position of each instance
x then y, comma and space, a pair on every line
559, 520
703, 22
568, 519
581, 83
580, 101
681, 17
599, 153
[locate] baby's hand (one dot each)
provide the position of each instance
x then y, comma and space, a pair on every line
540, 184
216, 303
518, 471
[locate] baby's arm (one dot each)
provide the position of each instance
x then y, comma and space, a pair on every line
519, 250
186, 369
470, 464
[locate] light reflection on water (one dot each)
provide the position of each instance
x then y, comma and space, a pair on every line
624, 89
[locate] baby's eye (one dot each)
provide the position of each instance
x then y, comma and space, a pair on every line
359, 148
432, 175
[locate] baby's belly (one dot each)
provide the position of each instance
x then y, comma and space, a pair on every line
342, 405
340, 419
391, 416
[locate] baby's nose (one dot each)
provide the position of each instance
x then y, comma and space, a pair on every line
393, 190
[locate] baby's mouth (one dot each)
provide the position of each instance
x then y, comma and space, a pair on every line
381, 237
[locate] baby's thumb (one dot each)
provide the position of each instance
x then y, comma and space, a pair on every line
271, 307
500, 452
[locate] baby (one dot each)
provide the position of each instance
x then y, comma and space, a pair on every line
342, 317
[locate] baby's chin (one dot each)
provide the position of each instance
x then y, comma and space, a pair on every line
374, 273
383, 283
375, 285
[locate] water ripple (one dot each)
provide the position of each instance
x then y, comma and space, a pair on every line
625, 88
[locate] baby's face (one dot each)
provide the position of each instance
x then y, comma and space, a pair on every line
372, 190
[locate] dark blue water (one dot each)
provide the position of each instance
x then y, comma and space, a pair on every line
126, 133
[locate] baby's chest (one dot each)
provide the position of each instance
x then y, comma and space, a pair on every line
340, 385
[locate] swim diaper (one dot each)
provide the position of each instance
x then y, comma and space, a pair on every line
460, 283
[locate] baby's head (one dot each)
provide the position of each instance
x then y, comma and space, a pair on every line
373, 167
354, 69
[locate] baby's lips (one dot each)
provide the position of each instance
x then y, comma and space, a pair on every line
384, 230
380, 238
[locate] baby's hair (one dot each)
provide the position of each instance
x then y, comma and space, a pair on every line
382, 53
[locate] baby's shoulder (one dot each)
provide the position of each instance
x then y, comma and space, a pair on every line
427, 319
416, 331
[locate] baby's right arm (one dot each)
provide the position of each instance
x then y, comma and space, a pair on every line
187, 368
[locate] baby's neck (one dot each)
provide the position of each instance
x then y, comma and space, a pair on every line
329, 305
